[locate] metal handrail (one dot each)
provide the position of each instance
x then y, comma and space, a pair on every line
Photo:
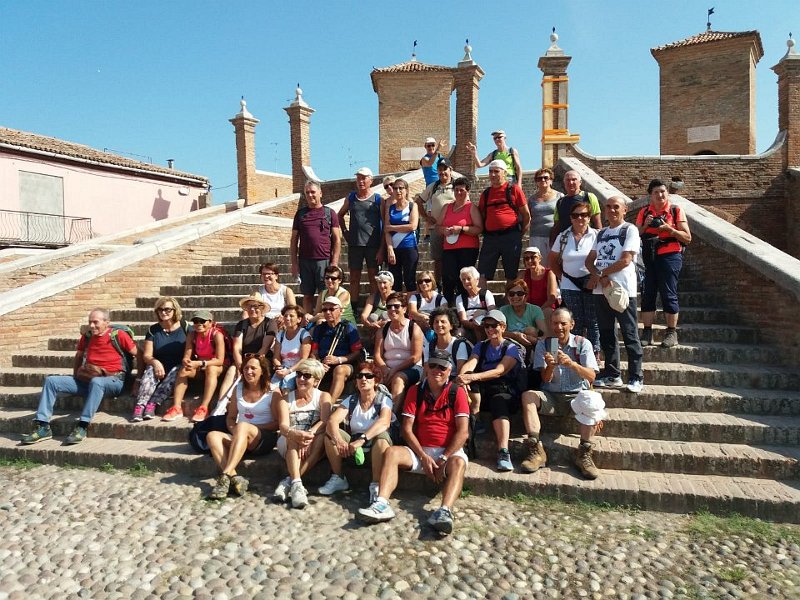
18, 228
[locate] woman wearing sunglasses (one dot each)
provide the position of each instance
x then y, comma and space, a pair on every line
163, 351
426, 299
542, 205
401, 240
525, 321
359, 426
334, 280
292, 345
303, 414
252, 422
398, 348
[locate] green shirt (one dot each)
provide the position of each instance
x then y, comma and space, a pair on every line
516, 324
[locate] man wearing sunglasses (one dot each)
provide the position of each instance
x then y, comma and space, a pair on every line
573, 194
337, 345
435, 427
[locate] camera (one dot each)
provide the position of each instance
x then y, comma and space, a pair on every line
657, 222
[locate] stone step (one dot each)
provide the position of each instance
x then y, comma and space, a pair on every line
27, 398
719, 375
664, 491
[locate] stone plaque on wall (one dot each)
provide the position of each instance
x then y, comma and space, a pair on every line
707, 133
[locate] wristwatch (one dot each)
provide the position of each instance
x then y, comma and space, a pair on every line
600, 274
444, 457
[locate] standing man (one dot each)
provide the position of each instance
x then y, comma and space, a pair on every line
363, 234
567, 365
505, 214
431, 202
430, 161
316, 229
612, 260
572, 194
503, 152
435, 427
98, 370
337, 345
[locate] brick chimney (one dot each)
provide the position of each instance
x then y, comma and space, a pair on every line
468, 75
555, 104
788, 71
244, 125
300, 130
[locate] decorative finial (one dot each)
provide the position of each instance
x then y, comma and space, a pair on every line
791, 51
244, 112
554, 50
298, 97
708, 22
414, 52
467, 51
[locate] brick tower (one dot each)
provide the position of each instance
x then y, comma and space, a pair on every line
468, 76
555, 104
707, 85
244, 125
300, 132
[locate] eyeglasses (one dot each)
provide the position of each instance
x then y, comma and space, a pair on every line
399, 187
268, 274
199, 321
490, 325
499, 137
579, 215
425, 281
250, 355
517, 294
329, 308
394, 306
166, 309
331, 277
365, 375
388, 188
430, 145
438, 367
303, 375
542, 178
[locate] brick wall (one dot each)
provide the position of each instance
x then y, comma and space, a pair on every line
267, 186
793, 213
62, 315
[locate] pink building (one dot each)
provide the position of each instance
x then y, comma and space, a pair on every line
50, 189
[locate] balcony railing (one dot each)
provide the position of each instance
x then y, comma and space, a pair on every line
42, 229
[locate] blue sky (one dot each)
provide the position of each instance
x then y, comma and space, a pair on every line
161, 79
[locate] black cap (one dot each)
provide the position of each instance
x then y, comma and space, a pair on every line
440, 357
444, 162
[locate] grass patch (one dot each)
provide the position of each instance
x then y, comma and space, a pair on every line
647, 533
107, 468
19, 463
733, 574
577, 508
139, 469
466, 492
705, 525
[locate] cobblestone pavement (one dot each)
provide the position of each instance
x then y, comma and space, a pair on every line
74, 533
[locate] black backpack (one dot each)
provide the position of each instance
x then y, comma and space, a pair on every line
481, 297
517, 378
485, 205
457, 342
438, 302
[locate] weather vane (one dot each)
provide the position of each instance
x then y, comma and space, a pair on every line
414, 51
708, 22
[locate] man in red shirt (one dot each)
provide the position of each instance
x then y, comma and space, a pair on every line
97, 371
435, 427
505, 213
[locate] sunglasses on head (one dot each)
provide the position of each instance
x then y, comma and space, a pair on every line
365, 375
250, 355
303, 375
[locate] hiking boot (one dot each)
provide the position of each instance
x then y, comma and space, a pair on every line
504, 461
150, 411
373, 492
647, 336
442, 520
298, 494
138, 413
221, 488
41, 431
536, 457
584, 461
608, 382
670, 338
77, 436
173, 413
239, 485
333, 485
377, 512
281, 492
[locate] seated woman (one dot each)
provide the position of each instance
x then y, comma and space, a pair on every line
252, 422
426, 299
399, 231
444, 323
525, 321
334, 278
374, 314
274, 294
494, 367
253, 335
304, 411
473, 304
292, 345
365, 418
398, 349
204, 355
541, 281
164, 343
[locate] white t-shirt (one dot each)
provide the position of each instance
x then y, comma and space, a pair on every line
473, 306
360, 420
463, 354
290, 348
426, 306
276, 301
609, 251
573, 258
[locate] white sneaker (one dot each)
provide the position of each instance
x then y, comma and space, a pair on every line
373, 492
282, 491
608, 382
333, 485
376, 512
299, 495
635, 386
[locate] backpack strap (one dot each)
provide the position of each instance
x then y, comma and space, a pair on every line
482, 298
418, 296
439, 299
562, 244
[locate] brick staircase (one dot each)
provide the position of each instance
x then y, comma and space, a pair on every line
717, 426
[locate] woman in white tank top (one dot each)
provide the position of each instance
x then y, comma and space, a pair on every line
303, 414
252, 423
398, 348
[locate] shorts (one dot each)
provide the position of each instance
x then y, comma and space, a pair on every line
499, 399
555, 404
435, 454
356, 255
412, 374
281, 446
503, 246
437, 245
327, 379
311, 273
265, 444
367, 446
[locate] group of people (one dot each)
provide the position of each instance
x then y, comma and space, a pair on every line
439, 357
